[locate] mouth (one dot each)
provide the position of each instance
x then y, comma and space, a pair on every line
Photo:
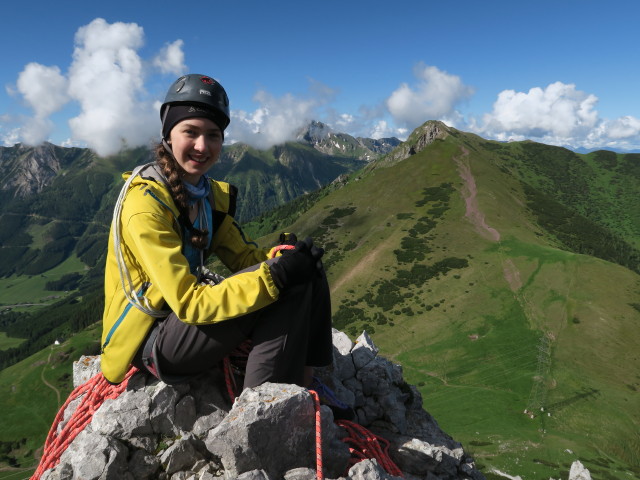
198, 159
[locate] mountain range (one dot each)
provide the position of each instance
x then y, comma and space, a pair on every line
503, 277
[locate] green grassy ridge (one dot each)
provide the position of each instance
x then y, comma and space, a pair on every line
41, 328
436, 345
32, 289
602, 186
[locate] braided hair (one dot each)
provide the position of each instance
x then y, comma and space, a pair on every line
174, 173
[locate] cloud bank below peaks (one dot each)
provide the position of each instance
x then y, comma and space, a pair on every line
278, 119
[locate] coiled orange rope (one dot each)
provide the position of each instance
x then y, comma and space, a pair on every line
366, 444
93, 392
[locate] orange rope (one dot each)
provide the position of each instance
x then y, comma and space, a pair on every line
94, 392
277, 248
366, 444
316, 405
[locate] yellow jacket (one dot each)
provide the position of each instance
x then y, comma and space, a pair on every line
151, 240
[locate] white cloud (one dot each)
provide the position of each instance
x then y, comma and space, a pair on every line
627, 127
171, 59
44, 88
558, 112
277, 119
434, 97
106, 79
10, 136
381, 130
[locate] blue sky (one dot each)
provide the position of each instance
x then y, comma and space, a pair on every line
93, 73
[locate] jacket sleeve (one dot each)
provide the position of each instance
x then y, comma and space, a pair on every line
234, 248
156, 246
230, 244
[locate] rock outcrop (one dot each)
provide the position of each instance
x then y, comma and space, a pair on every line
191, 431
419, 140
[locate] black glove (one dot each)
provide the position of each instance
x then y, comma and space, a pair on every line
296, 266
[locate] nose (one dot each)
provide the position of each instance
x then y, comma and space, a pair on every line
200, 143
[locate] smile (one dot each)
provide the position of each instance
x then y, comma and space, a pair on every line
199, 160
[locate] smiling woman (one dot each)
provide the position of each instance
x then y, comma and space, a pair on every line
165, 312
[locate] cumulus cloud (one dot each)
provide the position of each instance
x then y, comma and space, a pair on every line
106, 79
277, 119
559, 112
9, 136
43, 88
433, 97
623, 128
171, 59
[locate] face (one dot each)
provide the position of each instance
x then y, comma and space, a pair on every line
196, 144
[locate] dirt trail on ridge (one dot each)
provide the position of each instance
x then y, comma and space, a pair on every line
477, 218
469, 194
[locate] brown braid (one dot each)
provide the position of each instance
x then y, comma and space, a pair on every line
174, 172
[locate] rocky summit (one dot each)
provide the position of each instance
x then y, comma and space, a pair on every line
192, 431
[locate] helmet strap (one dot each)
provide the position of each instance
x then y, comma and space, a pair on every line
164, 119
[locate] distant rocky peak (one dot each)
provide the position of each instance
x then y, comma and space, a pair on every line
419, 139
314, 133
29, 169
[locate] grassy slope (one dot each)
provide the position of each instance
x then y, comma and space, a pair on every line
31, 289
471, 338
28, 403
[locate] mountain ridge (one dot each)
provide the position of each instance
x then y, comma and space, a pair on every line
446, 259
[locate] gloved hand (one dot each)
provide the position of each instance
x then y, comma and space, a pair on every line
297, 266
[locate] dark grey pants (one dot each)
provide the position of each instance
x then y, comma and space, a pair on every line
289, 334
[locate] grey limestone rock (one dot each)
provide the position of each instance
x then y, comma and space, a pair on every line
267, 416
369, 470
191, 431
579, 472
85, 368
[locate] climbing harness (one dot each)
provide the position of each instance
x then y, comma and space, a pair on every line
93, 392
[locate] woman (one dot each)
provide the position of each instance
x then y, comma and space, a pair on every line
163, 311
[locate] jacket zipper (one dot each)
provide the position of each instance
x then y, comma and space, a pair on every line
145, 286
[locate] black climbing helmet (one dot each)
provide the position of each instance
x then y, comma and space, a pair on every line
201, 91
